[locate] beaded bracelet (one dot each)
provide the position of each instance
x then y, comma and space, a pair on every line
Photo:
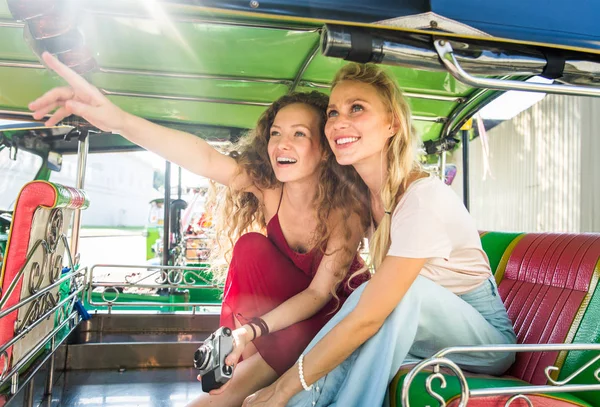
301, 374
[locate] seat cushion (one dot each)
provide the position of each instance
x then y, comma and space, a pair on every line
498, 247
547, 286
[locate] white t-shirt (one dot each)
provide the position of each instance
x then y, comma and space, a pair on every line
431, 222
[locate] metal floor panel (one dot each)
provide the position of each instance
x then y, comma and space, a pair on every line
131, 388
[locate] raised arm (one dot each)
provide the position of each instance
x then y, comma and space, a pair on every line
381, 295
85, 100
308, 302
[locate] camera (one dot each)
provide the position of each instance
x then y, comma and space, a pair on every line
209, 359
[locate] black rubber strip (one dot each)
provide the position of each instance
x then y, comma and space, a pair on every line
555, 66
361, 49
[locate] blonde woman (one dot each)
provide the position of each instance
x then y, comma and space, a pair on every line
432, 286
285, 283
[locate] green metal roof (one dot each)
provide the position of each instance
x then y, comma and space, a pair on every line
203, 67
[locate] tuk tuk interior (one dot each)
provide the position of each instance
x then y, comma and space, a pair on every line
211, 70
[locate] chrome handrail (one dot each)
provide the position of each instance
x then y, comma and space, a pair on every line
21, 272
42, 303
39, 320
67, 276
448, 58
440, 359
171, 277
12, 375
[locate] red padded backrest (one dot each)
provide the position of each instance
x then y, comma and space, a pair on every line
545, 282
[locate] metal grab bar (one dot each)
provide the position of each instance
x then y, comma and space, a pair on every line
68, 276
440, 359
47, 251
448, 58
26, 330
171, 277
13, 373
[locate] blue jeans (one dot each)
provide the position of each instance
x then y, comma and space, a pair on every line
427, 319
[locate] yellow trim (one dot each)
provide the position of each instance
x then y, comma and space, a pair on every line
505, 257
483, 234
271, 17
562, 356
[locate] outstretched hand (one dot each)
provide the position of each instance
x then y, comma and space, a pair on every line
79, 98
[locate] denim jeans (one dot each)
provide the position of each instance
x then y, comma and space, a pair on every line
428, 318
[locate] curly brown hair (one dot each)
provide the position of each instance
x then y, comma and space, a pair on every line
237, 212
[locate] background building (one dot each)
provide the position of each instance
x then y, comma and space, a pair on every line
120, 185
544, 169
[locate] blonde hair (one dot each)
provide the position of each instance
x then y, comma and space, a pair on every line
237, 212
400, 149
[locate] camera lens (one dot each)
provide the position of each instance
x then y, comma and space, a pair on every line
226, 331
227, 370
201, 357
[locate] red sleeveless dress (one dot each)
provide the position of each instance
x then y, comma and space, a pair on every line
264, 272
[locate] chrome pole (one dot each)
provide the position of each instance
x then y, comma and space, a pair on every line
50, 377
167, 215
28, 399
465, 165
82, 153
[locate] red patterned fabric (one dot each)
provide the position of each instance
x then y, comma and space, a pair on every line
538, 400
32, 196
546, 279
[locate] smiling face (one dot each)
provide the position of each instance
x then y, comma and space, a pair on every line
294, 147
358, 123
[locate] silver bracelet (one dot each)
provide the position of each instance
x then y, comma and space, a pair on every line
301, 374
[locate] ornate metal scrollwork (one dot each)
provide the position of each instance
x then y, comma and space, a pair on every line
36, 278
430, 390
54, 228
176, 277
51, 266
56, 268
114, 290
436, 363
189, 273
65, 310
550, 369
171, 277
